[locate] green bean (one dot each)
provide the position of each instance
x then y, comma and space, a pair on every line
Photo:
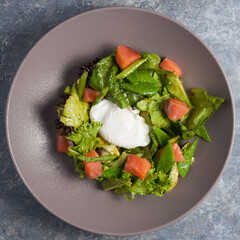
188, 155
176, 127
175, 88
162, 137
111, 81
131, 68
155, 144
82, 84
133, 97
96, 159
185, 147
147, 119
174, 140
202, 132
188, 135
100, 71
147, 152
67, 90
119, 99
118, 162
166, 160
198, 117
74, 88
111, 173
102, 94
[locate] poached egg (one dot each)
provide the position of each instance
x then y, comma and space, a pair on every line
121, 127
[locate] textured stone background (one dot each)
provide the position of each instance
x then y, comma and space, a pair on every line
24, 22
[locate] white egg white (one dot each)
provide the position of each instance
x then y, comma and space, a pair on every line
121, 127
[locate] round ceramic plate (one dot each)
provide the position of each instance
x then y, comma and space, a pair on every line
54, 63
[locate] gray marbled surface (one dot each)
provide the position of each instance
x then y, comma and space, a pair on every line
24, 22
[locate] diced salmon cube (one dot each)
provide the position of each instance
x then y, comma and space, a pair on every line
175, 109
93, 169
137, 166
125, 56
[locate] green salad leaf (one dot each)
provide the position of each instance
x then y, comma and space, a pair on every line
74, 111
162, 137
201, 132
116, 183
84, 138
188, 152
155, 182
153, 61
115, 93
145, 86
141, 187
141, 88
97, 80
117, 163
143, 76
175, 88
166, 161
204, 107
150, 150
112, 173
154, 105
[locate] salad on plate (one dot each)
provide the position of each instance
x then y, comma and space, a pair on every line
127, 122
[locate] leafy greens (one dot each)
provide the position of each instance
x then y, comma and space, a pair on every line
145, 86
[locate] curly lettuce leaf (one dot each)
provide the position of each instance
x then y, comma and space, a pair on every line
79, 168
142, 152
141, 187
116, 183
74, 111
169, 181
156, 183
85, 138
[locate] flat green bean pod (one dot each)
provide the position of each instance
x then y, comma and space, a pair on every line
131, 68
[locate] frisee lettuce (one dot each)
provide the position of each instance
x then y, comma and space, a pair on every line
156, 182
84, 138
